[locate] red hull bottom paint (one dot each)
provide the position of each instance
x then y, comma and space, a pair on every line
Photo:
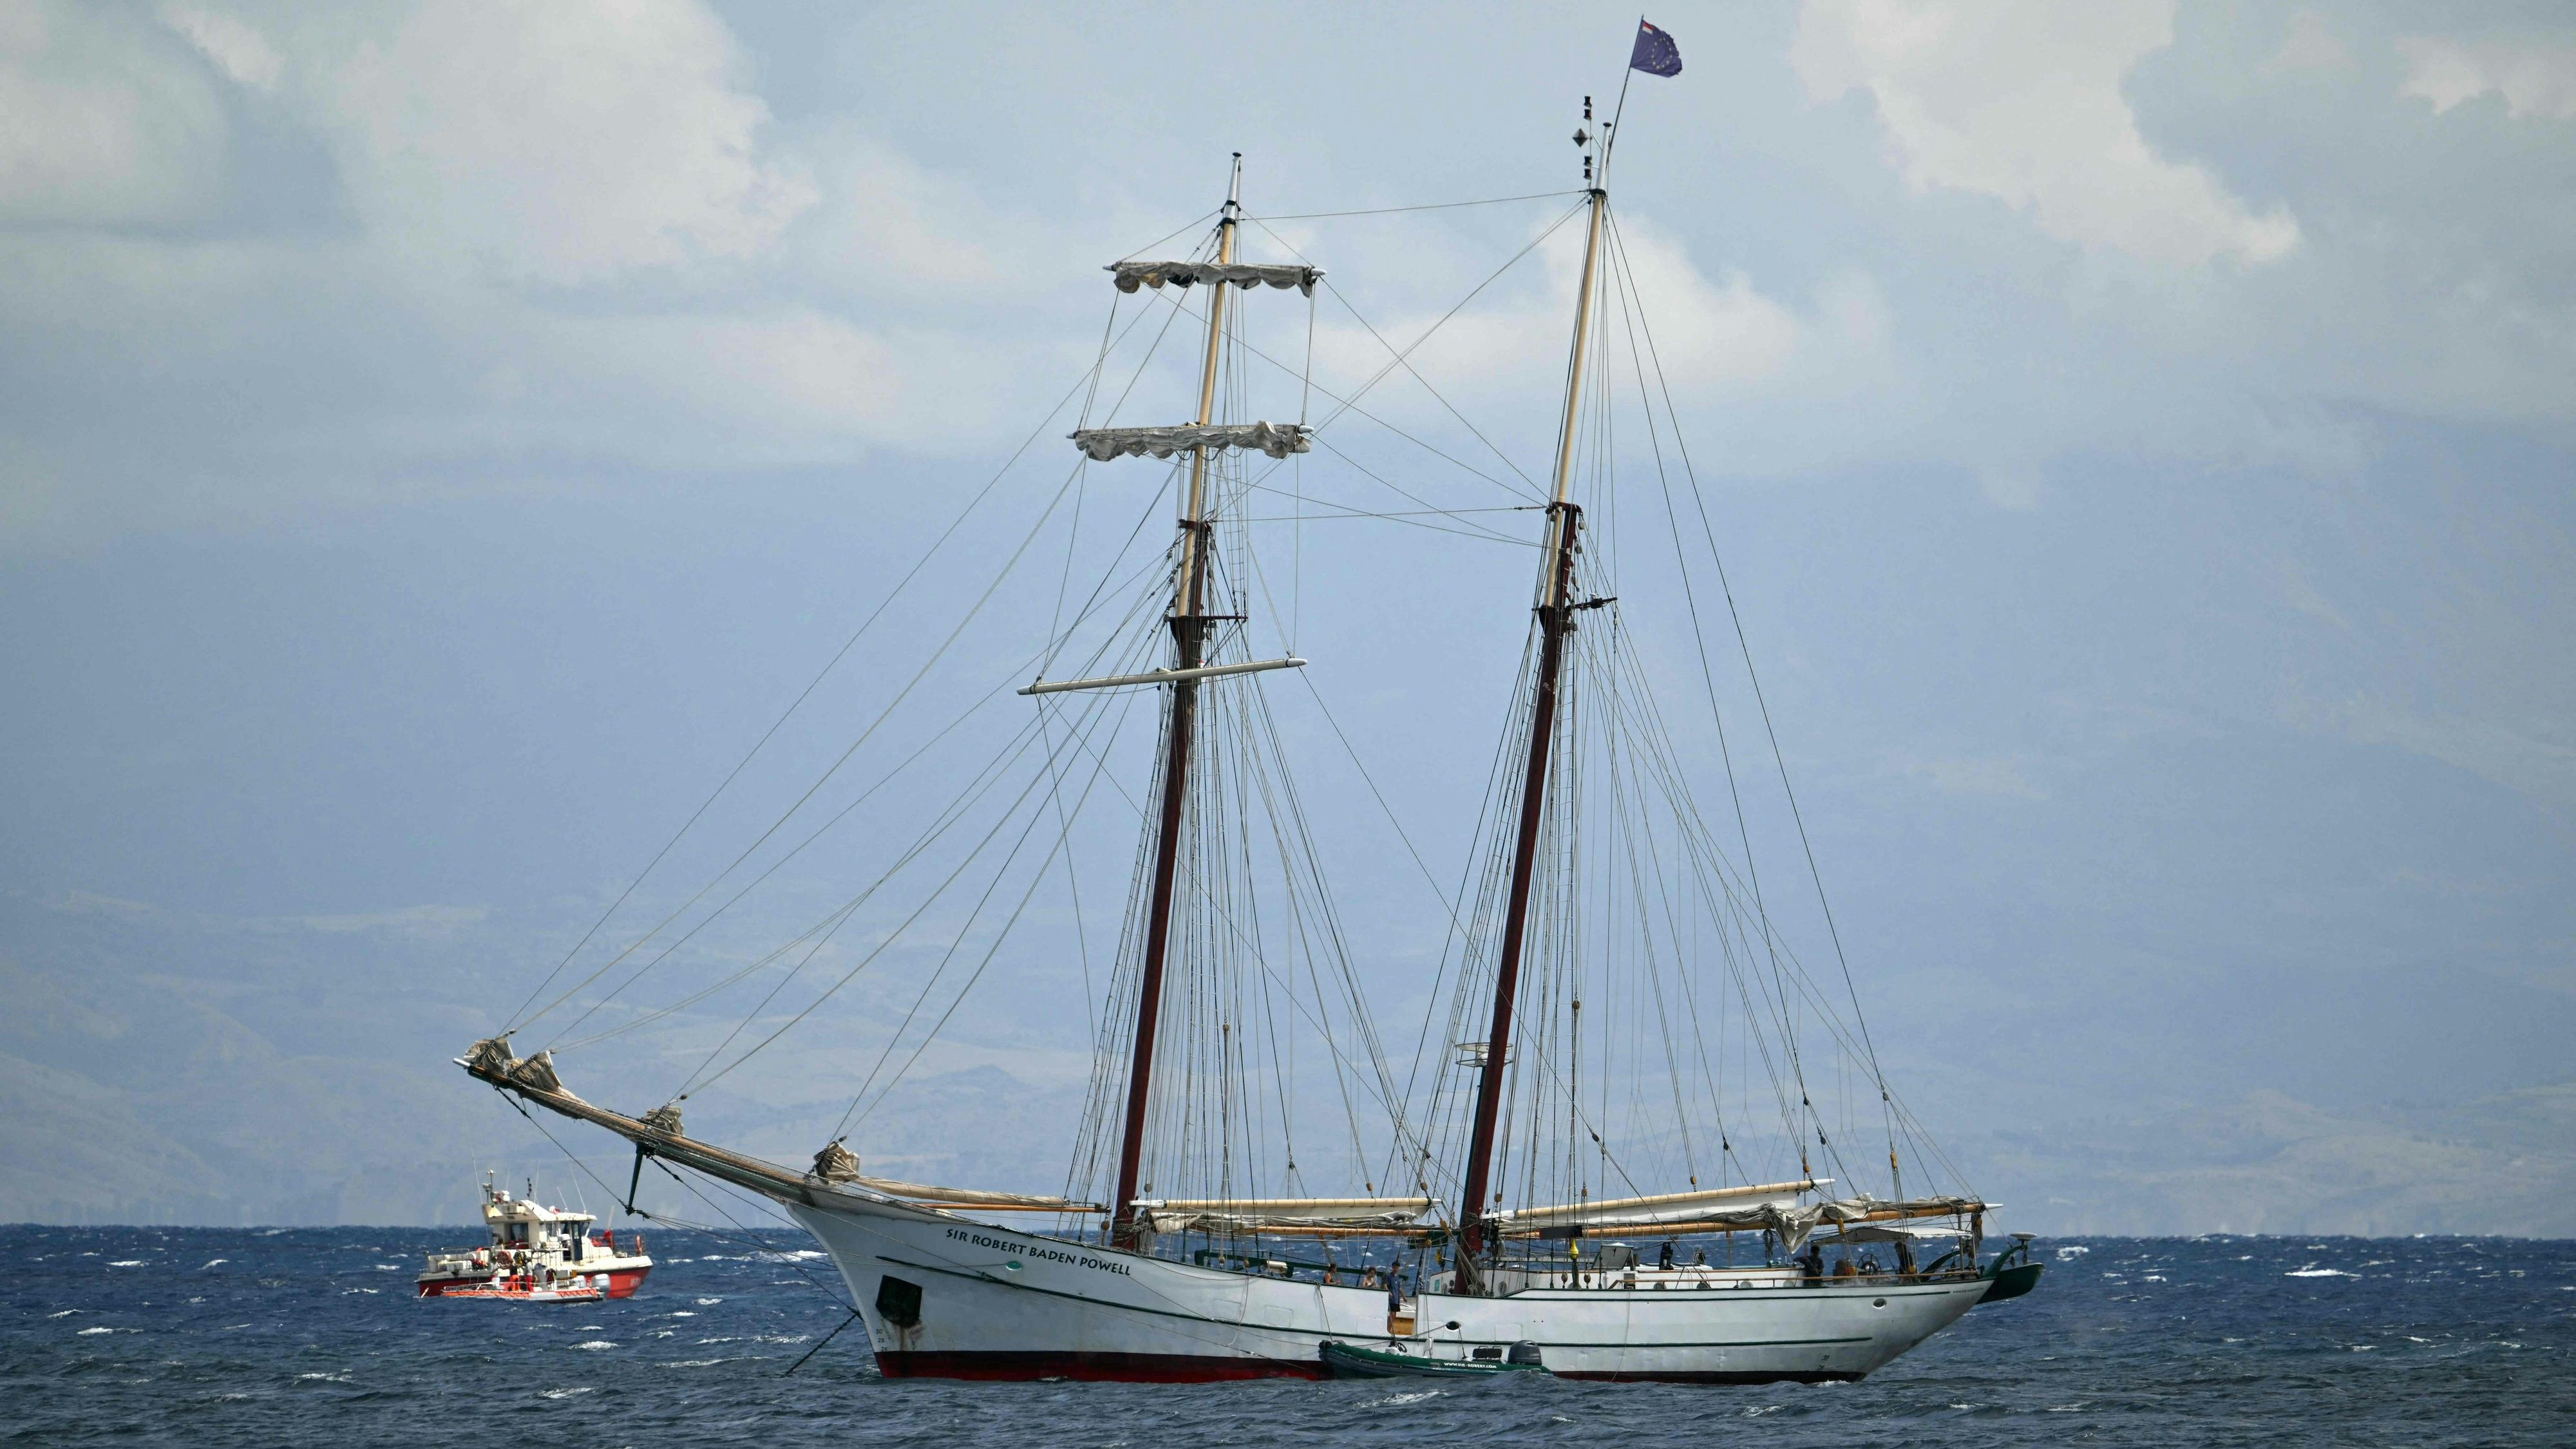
1175, 1368
1716, 1378
1131, 1368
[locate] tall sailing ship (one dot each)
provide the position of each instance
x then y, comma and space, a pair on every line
1617, 1058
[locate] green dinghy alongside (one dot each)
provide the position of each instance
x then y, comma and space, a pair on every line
2014, 1272
1350, 1361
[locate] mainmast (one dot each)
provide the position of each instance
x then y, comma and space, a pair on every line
1555, 610
1189, 639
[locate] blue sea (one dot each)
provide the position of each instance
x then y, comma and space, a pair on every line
312, 1336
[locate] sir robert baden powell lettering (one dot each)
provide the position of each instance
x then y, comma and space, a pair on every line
1035, 1250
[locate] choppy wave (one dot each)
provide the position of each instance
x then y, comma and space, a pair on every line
2431, 1341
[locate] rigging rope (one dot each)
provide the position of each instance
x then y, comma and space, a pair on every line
1220, 957
864, 736
1351, 404
1527, 482
1780, 759
518, 1019
1393, 210
1167, 236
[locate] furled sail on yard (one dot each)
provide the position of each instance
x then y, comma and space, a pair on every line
1284, 1214
1131, 275
1278, 440
1666, 1207
1779, 1208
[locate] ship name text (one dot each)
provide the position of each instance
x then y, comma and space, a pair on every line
1033, 1250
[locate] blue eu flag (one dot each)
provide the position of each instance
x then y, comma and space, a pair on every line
1655, 53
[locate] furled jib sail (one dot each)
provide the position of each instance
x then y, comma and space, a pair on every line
1131, 275
1276, 439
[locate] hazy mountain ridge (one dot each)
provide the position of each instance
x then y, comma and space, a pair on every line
2268, 1163
249, 1090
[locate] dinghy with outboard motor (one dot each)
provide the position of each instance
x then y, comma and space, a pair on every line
1429, 1359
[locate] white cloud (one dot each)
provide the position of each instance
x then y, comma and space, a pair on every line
574, 239
96, 129
1715, 336
2021, 100
563, 142
747, 294
890, 227
803, 381
236, 49
2535, 80
1717, 332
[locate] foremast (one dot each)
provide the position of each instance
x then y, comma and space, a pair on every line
1556, 607
1189, 641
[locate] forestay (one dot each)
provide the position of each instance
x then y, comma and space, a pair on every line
658, 1134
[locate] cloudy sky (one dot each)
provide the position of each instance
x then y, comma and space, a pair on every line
435, 440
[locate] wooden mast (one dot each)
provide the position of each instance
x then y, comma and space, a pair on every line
1556, 620
1189, 638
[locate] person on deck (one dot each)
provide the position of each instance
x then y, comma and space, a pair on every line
1664, 1258
1394, 1291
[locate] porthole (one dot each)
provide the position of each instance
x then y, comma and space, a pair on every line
1878, 1303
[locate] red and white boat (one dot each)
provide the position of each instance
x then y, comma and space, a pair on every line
538, 1254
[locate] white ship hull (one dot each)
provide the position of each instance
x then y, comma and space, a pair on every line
997, 1304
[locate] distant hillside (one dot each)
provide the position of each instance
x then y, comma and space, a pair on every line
166, 1069
2270, 1164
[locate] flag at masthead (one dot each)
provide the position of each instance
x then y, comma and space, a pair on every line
1654, 53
